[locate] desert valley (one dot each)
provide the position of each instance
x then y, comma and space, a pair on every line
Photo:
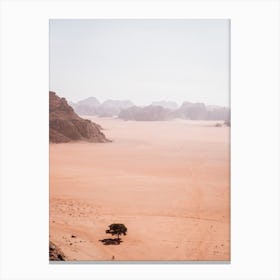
167, 181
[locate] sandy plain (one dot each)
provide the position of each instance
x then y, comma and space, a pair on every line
168, 182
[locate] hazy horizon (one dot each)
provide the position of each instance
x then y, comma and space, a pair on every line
137, 104
141, 60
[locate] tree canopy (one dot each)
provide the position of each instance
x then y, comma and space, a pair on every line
117, 229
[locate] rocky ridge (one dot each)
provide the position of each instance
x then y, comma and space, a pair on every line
65, 125
55, 253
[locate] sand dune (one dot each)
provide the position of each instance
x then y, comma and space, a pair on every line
168, 182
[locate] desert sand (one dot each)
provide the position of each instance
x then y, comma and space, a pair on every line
168, 182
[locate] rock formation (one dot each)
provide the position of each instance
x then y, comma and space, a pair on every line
218, 113
158, 110
227, 123
55, 253
192, 111
109, 108
86, 106
199, 111
65, 125
148, 113
188, 110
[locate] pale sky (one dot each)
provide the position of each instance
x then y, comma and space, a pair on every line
141, 60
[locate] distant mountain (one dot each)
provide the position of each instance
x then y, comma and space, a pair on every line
109, 108
86, 106
148, 113
188, 110
90, 101
166, 104
218, 113
192, 111
158, 110
84, 109
199, 111
65, 125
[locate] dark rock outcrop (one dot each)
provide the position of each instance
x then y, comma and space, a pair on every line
65, 125
55, 253
227, 123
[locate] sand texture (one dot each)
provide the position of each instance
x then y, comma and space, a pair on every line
168, 182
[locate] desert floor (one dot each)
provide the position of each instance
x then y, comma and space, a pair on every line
168, 182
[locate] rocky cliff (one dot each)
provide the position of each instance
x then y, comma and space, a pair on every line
65, 125
55, 253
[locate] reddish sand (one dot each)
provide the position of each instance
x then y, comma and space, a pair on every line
168, 182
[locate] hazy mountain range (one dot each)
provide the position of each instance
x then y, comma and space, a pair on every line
157, 111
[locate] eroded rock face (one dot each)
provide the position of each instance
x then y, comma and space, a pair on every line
55, 253
65, 125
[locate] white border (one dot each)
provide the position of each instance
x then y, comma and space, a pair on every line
255, 137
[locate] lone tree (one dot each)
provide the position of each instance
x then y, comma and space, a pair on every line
117, 229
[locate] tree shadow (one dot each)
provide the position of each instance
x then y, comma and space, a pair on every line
111, 241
